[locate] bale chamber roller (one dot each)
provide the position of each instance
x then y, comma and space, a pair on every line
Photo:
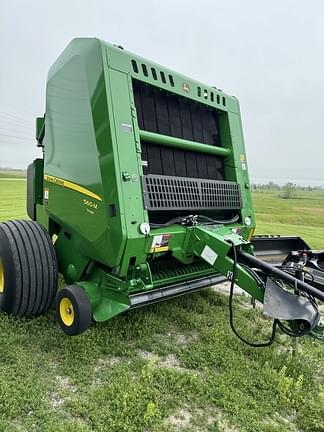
142, 195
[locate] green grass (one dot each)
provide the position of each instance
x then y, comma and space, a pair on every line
172, 366
302, 216
12, 199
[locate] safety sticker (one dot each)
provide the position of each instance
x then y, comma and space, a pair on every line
160, 243
46, 193
209, 255
127, 127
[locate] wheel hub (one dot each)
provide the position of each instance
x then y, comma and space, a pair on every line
1, 277
67, 311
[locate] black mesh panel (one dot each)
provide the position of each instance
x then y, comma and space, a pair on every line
165, 113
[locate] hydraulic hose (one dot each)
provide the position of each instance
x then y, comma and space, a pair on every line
291, 280
231, 317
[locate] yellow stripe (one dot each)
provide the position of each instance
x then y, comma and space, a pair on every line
251, 232
73, 186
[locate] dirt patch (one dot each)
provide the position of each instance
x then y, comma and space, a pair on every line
18, 426
63, 389
245, 299
102, 365
198, 420
219, 417
107, 363
319, 376
277, 420
224, 288
184, 339
65, 384
170, 361
56, 401
179, 339
180, 420
226, 428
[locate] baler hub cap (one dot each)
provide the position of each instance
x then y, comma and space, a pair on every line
67, 311
2, 278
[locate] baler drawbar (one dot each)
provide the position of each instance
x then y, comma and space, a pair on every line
143, 194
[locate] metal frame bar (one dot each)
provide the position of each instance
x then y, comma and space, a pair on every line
165, 293
183, 144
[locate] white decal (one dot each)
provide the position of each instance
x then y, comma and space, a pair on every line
209, 255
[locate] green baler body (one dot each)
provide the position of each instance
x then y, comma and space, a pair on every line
94, 166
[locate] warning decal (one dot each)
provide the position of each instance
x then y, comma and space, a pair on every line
160, 243
209, 255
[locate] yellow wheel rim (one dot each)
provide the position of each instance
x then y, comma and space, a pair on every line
2, 278
66, 311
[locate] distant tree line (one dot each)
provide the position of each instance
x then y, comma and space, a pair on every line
11, 169
286, 191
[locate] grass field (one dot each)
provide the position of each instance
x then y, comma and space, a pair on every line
12, 199
302, 216
175, 366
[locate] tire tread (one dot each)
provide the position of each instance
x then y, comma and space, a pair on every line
35, 267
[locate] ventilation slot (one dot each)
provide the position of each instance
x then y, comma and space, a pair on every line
134, 65
144, 69
182, 193
154, 75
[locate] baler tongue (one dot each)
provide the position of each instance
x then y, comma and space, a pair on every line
263, 281
283, 305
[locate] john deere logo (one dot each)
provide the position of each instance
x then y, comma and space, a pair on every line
186, 87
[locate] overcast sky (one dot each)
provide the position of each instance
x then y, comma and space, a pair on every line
268, 54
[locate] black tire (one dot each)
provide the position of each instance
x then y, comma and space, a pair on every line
73, 310
29, 268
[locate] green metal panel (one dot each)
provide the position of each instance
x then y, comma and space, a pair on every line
121, 59
38, 181
80, 147
77, 119
93, 199
40, 122
236, 167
